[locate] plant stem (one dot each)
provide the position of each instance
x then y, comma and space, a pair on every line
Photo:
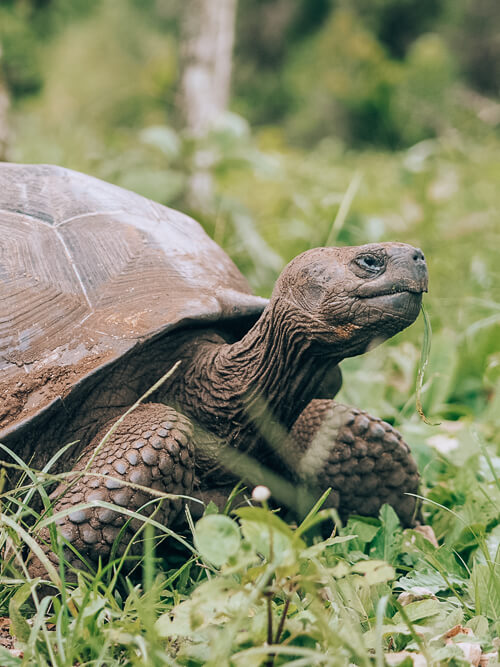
269, 620
282, 621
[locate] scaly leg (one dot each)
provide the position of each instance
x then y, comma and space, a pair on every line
363, 459
152, 448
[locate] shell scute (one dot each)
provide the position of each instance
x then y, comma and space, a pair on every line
89, 270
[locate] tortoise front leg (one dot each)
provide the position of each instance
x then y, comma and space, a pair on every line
363, 459
152, 447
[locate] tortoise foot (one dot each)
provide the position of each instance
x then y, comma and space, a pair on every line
149, 451
364, 460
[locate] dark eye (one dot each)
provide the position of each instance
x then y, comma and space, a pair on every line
370, 263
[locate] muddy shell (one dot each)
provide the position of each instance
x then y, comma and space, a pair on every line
88, 271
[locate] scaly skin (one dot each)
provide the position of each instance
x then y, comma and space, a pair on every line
363, 459
152, 448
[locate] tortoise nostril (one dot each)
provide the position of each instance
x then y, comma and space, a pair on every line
418, 256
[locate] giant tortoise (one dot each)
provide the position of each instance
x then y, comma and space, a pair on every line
102, 291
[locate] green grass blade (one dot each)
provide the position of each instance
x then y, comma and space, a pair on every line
424, 360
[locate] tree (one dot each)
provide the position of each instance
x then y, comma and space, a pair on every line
207, 34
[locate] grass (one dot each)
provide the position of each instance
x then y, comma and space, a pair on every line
259, 591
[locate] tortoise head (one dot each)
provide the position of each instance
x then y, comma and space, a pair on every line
356, 296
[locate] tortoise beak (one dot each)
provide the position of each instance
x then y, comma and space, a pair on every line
417, 279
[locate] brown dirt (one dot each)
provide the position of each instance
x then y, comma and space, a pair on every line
36, 389
6, 639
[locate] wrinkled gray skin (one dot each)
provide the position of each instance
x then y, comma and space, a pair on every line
277, 381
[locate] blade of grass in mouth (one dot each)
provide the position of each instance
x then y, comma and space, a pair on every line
424, 360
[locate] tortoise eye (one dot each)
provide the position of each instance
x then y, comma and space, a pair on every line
370, 263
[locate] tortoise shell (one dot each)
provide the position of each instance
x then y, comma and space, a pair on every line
89, 270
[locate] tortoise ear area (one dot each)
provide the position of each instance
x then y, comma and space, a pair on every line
310, 284
313, 276
309, 296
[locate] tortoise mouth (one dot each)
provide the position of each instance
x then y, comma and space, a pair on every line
391, 290
403, 304
414, 282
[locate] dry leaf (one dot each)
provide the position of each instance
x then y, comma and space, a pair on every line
457, 630
414, 594
428, 533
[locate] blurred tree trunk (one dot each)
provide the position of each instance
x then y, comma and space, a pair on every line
4, 113
207, 36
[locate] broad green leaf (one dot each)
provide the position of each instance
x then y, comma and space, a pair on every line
20, 627
419, 610
211, 604
449, 655
266, 517
269, 535
387, 630
176, 622
341, 570
469, 537
387, 542
374, 571
266, 540
217, 538
363, 528
253, 573
478, 625
429, 578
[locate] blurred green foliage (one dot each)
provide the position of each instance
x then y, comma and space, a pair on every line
387, 72
19, 53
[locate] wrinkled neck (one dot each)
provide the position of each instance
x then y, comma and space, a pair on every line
271, 374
